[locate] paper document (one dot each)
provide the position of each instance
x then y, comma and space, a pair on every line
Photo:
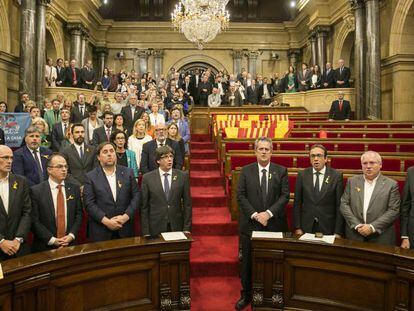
330, 239
1, 272
267, 234
173, 236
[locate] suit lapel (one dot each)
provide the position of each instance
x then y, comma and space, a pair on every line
106, 183
325, 183
76, 154
70, 199
377, 190
159, 186
256, 173
360, 193
119, 181
174, 181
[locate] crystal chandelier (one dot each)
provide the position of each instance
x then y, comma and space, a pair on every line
200, 20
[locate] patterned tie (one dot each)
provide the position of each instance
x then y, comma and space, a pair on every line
60, 213
263, 186
166, 186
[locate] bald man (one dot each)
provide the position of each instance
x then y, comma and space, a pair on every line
15, 207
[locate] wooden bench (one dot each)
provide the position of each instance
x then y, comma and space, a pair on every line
354, 133
354, 124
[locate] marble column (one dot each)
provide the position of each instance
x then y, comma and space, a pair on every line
143, 61
237, 61
314, 48
358, 22
40, 49
101, 53
158, 63
293, 58
252, 56
84, 46
321, 35
75, 31
373, 61
27, 48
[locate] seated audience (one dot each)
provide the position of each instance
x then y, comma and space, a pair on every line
60, 228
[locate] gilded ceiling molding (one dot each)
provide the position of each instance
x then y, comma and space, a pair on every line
397, 25
5, 44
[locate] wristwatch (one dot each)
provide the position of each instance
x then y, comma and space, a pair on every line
20, 240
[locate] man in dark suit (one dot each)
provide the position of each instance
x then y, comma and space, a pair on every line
371, 203
195, 82
148, 161
233, 97
318, 192
88, 75
166, 199
265, 92
81, 158
60, 130
20, 107
30, 160
2, 138
111, 197
262, 194
57, 208
304, 78
407, 212
15, 209
328, 79
72, 75
221, 86
342, 75
340, 109
60, 71
204, 89
131, 113
253, 93
79, 110
103, 133
278, 84
186, 86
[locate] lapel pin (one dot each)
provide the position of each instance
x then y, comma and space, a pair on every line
45, 156
327, 180
270, 176
358, 189
175, 177
15, 184
71, 197
119, 184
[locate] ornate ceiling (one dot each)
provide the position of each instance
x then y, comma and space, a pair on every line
160, 10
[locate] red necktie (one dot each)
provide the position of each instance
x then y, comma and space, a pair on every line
108, 133
60, 213
340, 105
74, 74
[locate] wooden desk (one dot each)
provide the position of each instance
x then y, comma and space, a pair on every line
133, 274
292, 275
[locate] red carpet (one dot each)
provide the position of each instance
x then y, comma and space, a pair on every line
215, 284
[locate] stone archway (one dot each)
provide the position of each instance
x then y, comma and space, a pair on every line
201, 59
189, 68
342, 44
5, 44
56, 34
397, 25
50, 47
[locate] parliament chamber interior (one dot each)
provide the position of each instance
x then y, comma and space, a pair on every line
206, 155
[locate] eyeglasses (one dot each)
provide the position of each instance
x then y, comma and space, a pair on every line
318, 155
60, 166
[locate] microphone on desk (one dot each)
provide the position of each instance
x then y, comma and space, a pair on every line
315, 228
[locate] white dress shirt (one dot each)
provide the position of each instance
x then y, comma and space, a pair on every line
162, 177
37, 157
78, 148
368, 190
112, 182
4, 192
321, 177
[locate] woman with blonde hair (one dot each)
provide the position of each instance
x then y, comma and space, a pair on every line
150, 128
138, 138
43, 128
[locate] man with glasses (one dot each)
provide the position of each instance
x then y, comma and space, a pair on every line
318, 192
262, 194
148, 161
15, 209
30, 160
56, 208
166, 199
111, 197
371, 203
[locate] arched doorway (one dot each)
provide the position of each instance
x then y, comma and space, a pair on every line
202, 66
50, 47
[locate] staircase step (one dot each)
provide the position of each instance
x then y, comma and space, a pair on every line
206, 178
204, 164
213, 221
204, 154
208, 196
214, 256
201, 145
200, 137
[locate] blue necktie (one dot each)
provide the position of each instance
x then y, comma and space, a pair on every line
81, 152
166, 186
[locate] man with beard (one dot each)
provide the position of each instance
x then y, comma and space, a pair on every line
79, 156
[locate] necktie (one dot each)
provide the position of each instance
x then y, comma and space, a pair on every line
39, 165
56, 115
340, 71
108, 134
166, 186
340, 105
317, 183
60, 213
263, 185
81, 152
74, 74
65, 128
81, 110
161, 144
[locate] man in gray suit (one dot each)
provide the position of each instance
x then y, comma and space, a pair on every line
166, 199
371, 203
318, 192
407, 212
